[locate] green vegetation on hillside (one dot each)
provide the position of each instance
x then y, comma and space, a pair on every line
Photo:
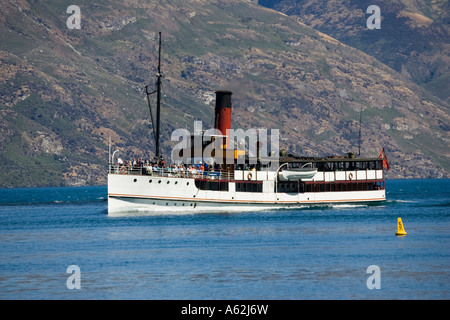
64, 93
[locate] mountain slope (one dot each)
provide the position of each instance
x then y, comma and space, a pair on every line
413, 39
64, 92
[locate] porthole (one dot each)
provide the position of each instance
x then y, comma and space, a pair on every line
187, 183
159, 181
134, 180
176, 182
150, 181
168, 182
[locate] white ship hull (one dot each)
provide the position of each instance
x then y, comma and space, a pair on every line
154, 194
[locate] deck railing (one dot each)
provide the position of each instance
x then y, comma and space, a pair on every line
333, 176
170, 172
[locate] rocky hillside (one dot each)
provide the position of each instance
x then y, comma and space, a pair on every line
413, 38
64, 92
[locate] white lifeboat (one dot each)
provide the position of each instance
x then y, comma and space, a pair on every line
303, 173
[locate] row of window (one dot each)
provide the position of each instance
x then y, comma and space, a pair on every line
249, 187
204, 184
292, 186
159, 181
341, 165
301, 187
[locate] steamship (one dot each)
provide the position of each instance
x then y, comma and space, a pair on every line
234, 181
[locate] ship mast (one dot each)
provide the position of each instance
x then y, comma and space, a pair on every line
158, 100
156, 129
359, 138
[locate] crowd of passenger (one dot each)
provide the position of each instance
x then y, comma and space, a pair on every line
160, 168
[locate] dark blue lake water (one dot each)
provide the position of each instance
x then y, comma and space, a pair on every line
308, 253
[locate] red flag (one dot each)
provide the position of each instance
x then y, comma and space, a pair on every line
382, 155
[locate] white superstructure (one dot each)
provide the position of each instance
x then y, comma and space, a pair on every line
337, 180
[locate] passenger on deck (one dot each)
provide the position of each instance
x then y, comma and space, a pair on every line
150, 169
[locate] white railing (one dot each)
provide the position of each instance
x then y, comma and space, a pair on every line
170, 172
324, 176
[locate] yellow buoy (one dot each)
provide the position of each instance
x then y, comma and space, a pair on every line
400, 229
